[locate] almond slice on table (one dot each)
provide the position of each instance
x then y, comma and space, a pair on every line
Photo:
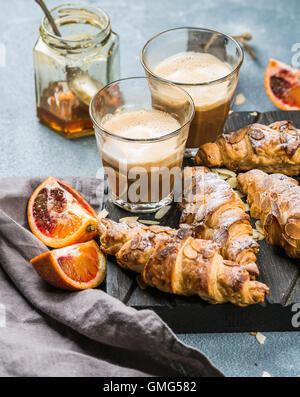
162, 212
260, 338
129, 218
266, 374
224, 171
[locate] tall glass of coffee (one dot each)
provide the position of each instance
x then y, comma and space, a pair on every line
206, 64
141, 126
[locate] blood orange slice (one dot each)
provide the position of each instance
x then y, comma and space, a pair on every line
59, 216
282, 84
76, 267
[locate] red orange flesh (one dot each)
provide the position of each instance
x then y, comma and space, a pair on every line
59, 216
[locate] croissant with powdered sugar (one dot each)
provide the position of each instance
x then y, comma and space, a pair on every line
273, 148
175, 262
215, 212
275, 200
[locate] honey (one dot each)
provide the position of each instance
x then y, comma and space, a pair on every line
62, 111
71, 68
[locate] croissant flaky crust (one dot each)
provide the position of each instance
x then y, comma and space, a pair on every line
216, 212
275, 199
273, 148
175, 262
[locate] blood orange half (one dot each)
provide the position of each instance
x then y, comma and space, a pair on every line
59, 216
76, 267
282, 84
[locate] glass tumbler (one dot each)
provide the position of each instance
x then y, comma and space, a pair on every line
141, 168
212, 98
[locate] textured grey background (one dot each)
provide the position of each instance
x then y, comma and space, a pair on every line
28, 148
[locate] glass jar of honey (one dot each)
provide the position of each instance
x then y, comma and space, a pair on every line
71, 68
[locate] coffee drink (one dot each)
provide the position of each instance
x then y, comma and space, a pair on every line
212, 101
144, 171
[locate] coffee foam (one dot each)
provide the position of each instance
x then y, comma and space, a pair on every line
192, 68
140, 124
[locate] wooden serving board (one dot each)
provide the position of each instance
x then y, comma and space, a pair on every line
191, 314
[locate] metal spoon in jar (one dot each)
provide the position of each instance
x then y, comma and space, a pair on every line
79, 81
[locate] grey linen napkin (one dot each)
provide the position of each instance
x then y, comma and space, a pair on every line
48, 332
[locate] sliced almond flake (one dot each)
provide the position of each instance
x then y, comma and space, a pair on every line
162, 212
253, 114
129, 218
257, 236
141, 283
259, 227
189, 252
232, 182
147, 222
239, 99
266, 374
225, 171
102, 214
230, 111
260, 338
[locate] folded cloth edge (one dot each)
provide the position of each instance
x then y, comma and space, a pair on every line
191, 361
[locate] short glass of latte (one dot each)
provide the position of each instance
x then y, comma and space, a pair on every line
141, 126
206, 64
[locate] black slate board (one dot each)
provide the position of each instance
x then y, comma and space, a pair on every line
191, 314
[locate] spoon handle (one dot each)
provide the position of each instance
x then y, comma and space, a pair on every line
49, 16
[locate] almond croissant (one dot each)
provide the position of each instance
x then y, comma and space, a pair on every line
273, 148
275, 199
172, 261
215, 212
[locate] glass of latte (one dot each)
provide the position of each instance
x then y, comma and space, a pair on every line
141, 126
206, 64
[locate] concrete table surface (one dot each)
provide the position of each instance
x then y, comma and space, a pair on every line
27, 148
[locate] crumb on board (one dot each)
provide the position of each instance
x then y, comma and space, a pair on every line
162, 212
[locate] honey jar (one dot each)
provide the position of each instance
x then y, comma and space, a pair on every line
71, 68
